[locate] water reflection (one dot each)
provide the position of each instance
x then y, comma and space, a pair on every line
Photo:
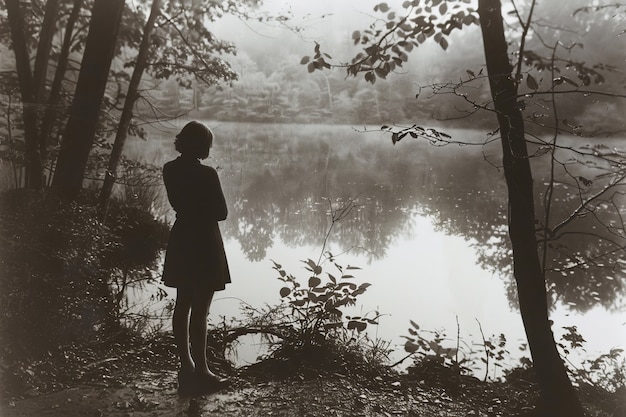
282, 182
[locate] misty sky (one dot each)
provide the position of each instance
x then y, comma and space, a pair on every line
325, 21
329, 22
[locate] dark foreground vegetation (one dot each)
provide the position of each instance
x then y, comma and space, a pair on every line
71, 347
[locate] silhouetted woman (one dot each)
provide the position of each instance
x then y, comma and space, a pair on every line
195, 261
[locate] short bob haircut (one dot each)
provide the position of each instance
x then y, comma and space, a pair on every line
195, 139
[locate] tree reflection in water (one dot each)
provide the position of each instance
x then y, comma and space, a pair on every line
282, 180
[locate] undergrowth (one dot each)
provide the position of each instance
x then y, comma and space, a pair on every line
64, 275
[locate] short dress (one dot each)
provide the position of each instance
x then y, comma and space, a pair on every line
195, 258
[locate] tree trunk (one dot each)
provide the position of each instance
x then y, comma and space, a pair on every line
127, 112
44, 46
92, 79
41, 64
55, 89
558, 397
34, 164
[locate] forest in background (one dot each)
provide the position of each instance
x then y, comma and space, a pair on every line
273, 86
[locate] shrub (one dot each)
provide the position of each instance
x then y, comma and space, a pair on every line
309, 332
57, 264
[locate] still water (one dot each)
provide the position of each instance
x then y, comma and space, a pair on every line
426, 226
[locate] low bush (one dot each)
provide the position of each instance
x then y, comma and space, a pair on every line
309, 333
57, 266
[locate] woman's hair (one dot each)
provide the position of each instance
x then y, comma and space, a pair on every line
194, 139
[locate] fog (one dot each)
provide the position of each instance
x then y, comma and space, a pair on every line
267, 48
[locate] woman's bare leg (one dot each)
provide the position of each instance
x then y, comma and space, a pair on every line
180, 328
198, 329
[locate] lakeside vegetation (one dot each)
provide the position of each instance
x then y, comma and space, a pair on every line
55, 337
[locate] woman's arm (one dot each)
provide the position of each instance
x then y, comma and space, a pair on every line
217, 202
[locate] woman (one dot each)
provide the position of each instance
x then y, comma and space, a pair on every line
195, 261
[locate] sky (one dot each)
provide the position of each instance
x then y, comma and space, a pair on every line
318, 20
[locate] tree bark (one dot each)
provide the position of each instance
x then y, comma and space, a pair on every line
558, 397
41, 63
34, 164
44, 46
127, 112
55, 89
92, 79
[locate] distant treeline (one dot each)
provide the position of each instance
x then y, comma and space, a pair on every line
289, 94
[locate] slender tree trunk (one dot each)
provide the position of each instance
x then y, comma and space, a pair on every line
55, 90
41, 64
44, 46
127, 112
81, 126
557, 394
34, 165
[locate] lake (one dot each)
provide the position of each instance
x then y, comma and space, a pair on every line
425, 223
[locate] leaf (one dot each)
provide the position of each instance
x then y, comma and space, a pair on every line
443, 8
311, 263
380, 72
284, 292
305, 60
358, 325
410, 346
314, 282
311, 67
443, 43
414, 324
531, 82
383, 7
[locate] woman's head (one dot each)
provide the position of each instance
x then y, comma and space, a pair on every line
195, 139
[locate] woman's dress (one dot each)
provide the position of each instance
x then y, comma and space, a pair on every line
195, 258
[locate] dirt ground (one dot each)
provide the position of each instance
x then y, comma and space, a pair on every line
154, 394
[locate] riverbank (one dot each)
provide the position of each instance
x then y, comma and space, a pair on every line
139, 379
153, 393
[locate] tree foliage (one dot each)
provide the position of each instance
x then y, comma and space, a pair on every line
183, 49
